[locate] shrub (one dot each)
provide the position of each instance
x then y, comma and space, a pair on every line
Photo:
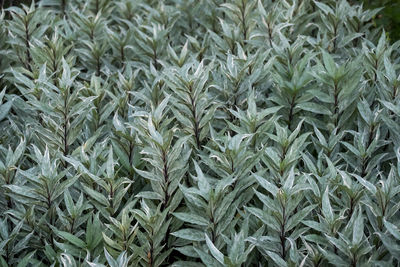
388, 16
198, 133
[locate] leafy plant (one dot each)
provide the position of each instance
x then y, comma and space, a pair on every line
198, 133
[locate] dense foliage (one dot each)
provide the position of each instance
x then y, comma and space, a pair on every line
388, 16
198, 133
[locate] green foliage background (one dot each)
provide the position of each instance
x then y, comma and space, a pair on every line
198, 133
389, 16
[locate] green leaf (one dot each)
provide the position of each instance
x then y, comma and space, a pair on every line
276, 258
267, 185
71, 238
25, 261
96, 196
370, 187
191, 218
393, 229
325, 8
358, 229
190, 234
329, 63
153, 132
314, 108
326, 205
214, 251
